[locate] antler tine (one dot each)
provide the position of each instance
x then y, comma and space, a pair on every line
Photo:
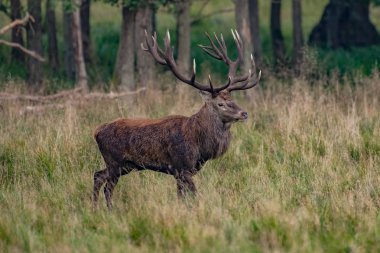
247, 81
194, 72
252, 79
159, 50
209, 50
153, 49
215, 49
218, 50
166, 58
142, 43
253, 84
224, 43
253, 64
168, 50
250, 83
224, 86
210, 82
223, 49
143, 48
238, 38
239, 45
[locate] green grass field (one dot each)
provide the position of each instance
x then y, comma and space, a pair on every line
302, 175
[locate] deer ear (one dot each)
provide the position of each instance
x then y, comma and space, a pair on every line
206, 96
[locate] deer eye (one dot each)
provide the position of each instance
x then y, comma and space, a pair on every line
221, 105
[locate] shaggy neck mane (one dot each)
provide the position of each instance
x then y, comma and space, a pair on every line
212, 134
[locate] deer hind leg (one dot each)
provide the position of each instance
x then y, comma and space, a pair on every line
108, 189
185, 185
112, 180
100, 178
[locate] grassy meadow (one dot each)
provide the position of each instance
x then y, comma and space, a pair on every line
302, 175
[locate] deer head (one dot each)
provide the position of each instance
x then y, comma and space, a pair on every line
217, 99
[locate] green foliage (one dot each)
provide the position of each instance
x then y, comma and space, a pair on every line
105, 25
376, 2
350, 60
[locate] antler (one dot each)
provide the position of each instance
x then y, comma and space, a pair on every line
250, 82
166, 58
219, 52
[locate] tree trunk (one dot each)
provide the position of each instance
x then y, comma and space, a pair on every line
145, 64
81, 74
34, 34
124, 75
297, 35
86, 29
255, 30
242, 24
345, 23
183, 35
17, 31
52, 35
154, 18
68, 49
277, 38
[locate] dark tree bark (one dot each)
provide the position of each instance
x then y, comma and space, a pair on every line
297, 35
183, 35
17, 55
81, 74
86, 29
124, 75
154, 18
145, 64
255, 30
242, 24
34, 36
68, 40
345, 23
277, 37
52, 35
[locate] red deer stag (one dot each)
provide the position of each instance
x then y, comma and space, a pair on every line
175, 145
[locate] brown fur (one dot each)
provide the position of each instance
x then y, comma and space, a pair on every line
175, 145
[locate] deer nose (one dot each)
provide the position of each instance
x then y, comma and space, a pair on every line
244, 115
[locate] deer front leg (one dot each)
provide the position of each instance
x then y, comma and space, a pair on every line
185, 185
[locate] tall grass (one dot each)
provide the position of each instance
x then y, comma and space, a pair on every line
302, 175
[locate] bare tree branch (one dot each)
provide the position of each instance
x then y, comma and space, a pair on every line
17, 22
39, 99
23, 49
74, 94
203, 6
111, 95
20, 22
75, 100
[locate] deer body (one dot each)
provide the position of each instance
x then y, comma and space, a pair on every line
175, 145
172, 145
